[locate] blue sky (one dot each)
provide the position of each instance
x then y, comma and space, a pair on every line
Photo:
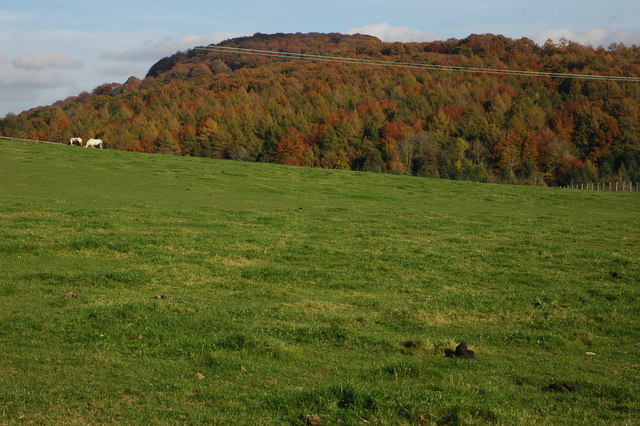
50, 50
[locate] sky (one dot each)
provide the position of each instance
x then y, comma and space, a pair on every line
50, 50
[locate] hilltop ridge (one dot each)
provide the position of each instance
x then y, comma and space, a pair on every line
310, 43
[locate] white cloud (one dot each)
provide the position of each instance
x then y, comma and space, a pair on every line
34, 79
122, 69
149, 50
203, 40
596, 37
45, 60
388, 33
22, 89
4, 59
154, 50
8, 16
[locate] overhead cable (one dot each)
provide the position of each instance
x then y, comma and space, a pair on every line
364, 61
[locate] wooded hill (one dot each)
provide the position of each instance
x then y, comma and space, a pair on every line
458, 125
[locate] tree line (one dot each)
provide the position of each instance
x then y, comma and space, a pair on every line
471, 126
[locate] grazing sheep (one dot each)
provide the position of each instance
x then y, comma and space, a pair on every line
76, 140
94, 143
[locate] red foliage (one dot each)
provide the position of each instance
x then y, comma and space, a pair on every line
562, 123
394, 130
292, 150
453, 112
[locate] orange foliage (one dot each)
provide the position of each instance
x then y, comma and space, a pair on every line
453, 112
394, 130
292, 150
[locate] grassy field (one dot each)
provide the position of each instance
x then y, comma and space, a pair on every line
153, 289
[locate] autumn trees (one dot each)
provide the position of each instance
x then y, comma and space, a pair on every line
360, 117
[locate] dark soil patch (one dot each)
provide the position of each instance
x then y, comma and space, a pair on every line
561, 387
461, 352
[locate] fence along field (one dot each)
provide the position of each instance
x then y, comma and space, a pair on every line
608, 186
188, 290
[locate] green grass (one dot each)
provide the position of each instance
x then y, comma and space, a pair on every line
297, 291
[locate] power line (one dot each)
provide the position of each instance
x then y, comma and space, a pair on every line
394, 64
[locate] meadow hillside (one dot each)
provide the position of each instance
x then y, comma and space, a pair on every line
144, 289
423, 122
